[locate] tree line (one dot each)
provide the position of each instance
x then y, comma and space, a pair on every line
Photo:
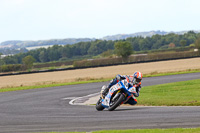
93, 48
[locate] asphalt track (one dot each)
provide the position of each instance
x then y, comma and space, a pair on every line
48, 109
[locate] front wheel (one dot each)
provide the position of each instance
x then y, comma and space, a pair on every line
117, 102
99, 106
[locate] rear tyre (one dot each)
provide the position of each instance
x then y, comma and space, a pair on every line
99, 106
116, 103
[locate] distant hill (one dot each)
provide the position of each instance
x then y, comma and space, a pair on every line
142, 34
16, 44
25, 44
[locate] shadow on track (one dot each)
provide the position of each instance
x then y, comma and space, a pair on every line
129, 108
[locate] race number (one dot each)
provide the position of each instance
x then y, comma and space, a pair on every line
115, 87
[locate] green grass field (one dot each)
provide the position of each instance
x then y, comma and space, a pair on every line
171, 130
185, 93
175, 130
155, 74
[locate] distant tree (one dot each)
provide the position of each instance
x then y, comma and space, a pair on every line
54, 53
1, 62
135, 42
190, 36
67, 51
123, 49
28, 61
43, 56
84, 47
93, 50
107, 53
145, 44
197, 44
10, 60
183, 43
192, 45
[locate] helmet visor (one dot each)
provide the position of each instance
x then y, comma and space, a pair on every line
138, 80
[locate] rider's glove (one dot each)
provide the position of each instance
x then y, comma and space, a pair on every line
118, 77
133, 91
138, 89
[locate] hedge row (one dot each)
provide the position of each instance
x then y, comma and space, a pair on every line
112, 61
134, 59
11, 68
53, 64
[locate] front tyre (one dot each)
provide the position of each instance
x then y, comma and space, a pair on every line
117, 102
99, 106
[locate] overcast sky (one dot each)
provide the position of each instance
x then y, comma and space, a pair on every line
58, 19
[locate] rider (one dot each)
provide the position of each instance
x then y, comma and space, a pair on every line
134, 83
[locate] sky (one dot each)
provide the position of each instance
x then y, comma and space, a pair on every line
59, 19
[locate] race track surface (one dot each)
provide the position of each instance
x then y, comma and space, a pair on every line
48, 109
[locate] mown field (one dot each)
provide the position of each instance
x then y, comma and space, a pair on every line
98, 73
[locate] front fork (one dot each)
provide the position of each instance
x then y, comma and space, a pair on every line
116, 95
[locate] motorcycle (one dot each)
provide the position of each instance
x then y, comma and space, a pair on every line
116, 96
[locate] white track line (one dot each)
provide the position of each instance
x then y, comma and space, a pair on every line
72, 102
69, 98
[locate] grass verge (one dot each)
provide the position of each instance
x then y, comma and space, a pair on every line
184, 93
155, 74
51, 85
171, 130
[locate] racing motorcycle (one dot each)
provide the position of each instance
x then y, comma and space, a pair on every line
117, 95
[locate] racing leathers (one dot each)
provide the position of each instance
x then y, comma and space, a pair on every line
133, 88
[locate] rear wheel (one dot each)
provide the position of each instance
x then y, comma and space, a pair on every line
99, 106
116, 102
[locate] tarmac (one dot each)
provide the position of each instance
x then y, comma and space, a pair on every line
86, 100
92, 100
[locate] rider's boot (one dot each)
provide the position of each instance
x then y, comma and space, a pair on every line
104, 91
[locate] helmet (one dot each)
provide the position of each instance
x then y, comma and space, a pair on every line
137, 77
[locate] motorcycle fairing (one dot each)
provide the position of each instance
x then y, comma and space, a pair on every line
114, 88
